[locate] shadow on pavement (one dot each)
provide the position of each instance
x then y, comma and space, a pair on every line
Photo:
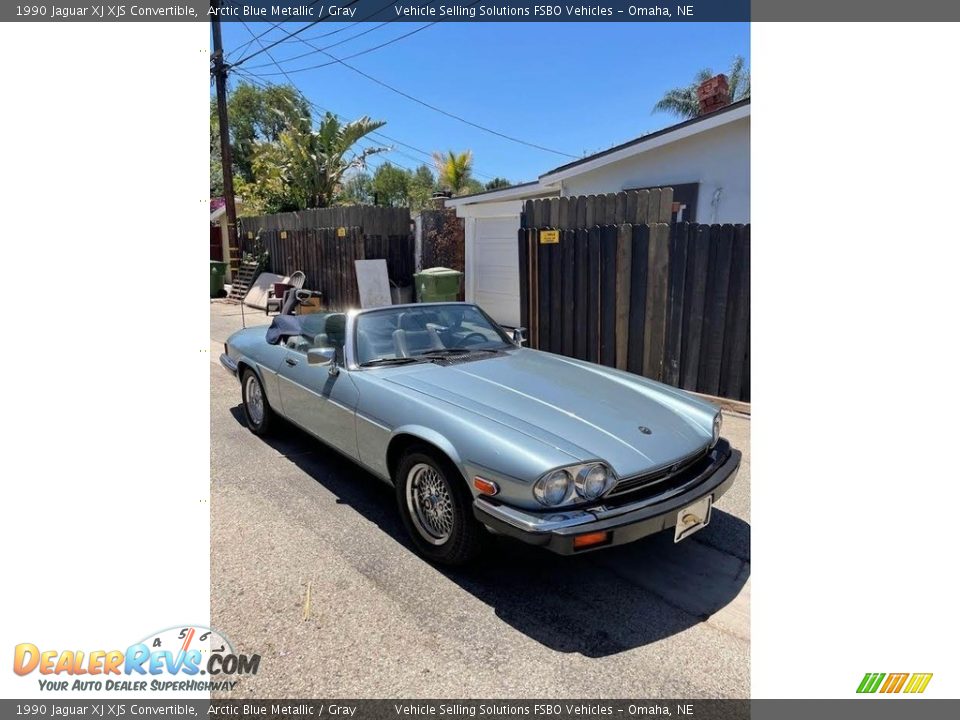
597, 604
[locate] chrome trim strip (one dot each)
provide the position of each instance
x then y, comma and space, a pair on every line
367, 418
335, 403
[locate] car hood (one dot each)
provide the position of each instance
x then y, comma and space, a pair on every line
588, 411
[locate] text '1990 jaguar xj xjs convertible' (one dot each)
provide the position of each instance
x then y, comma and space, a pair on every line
477, 433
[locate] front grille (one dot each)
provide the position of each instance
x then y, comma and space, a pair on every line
660, 475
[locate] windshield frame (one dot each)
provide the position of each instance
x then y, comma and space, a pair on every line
354, 321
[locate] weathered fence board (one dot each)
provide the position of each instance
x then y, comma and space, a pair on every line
675, 302
671, 302
714, 320
624, 267
735, 347
639, 258
608, 295
373, 220
593, 293
695, 291
568, 297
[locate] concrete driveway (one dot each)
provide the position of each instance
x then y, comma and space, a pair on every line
310, 568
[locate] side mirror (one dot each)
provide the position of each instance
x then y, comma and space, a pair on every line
519, 336
321, 356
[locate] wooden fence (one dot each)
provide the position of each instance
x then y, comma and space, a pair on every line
372, 220
584, 211
670, 302
327, 255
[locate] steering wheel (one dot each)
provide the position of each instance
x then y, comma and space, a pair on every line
463, 340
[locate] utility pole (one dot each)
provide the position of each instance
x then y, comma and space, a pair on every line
220, 76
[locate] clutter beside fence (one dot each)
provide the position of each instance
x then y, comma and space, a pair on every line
326, 253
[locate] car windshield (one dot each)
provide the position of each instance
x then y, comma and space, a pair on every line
404, 334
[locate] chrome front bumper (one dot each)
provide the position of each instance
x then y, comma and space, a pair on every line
624, 523
229, 363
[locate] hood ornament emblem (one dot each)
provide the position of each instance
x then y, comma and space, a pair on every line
645, 430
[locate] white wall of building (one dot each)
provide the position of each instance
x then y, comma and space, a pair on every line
492, 278
718, 159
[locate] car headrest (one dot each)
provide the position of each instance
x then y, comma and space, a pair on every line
336, 329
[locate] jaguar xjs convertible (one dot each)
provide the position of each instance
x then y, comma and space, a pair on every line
477, 433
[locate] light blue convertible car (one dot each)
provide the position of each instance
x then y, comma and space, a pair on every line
478, 433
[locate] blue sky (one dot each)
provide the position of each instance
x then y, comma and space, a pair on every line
573, 87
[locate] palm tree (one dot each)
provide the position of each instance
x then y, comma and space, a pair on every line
683, 101
454, 170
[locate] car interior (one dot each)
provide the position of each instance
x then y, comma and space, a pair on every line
320, 330
393, 334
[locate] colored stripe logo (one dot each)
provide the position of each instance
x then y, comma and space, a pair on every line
913, 683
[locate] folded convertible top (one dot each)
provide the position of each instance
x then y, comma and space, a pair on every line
283, 327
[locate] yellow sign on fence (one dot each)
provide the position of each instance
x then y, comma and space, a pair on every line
341, 232
283, 234
549, 237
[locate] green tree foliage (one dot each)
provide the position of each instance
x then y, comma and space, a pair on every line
422, 187
683, 102
391, 185
497, 183
357, 189
454, 171
306, 168
257, 115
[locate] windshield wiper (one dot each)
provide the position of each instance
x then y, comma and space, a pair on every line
456, 351
389, 361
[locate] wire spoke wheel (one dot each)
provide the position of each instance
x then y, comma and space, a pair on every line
254, 397
430, 503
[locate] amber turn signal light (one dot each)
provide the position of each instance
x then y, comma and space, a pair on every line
590, 539
487, 487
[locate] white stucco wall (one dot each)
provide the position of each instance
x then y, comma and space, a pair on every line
718, 159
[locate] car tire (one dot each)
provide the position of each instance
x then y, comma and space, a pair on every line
256, 408
437, 508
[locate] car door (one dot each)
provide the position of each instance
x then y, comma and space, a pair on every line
318, 401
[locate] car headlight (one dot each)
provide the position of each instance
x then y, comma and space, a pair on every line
593, 481
552, 488
574, 483
717, 424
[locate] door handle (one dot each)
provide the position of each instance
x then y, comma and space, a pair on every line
290, 361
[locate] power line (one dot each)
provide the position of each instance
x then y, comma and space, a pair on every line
418, 100
348, 57
363, 19
334, 32
245, 72
253, 79
239, 49
258, 80
288, 36
331, 45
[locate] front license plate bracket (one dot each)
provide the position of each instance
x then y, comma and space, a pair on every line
693, 517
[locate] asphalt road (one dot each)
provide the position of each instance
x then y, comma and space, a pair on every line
292, 519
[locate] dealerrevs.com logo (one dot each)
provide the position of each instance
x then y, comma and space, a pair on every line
910, 683
183, 659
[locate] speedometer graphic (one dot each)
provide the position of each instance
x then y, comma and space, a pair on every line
182, 641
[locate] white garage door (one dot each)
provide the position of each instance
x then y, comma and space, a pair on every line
496, 272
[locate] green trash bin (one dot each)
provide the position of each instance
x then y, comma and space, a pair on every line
438, 284
218, 271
